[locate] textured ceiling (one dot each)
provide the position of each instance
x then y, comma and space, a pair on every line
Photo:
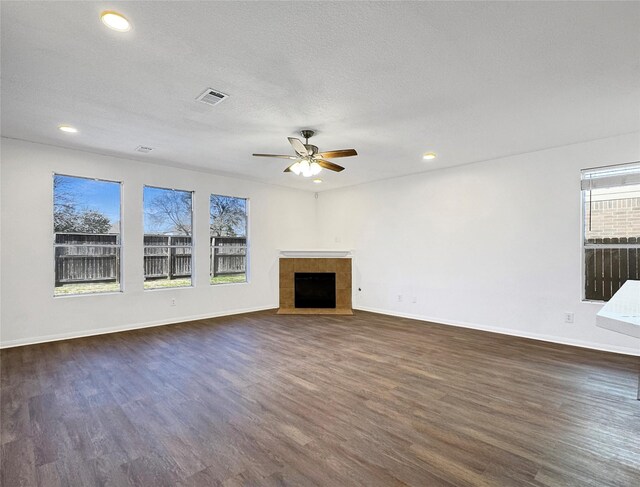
469, 81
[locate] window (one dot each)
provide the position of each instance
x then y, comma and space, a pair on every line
228, 236
168, 241
87, 244
611, 236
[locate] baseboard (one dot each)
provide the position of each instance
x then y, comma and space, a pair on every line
508, 331
137, 326
461, 324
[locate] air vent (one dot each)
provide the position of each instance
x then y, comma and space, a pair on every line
211, 97
144, 149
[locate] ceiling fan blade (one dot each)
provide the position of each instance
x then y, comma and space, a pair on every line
293, 158
288, 169
329, 165
298, 146
338, 153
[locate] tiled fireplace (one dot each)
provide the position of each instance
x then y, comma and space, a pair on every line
315, 285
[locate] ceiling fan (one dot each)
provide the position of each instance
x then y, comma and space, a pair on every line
308, 160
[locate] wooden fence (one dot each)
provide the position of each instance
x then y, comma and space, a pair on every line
86, 257
96, 257
229, 255
167, 256
607, 269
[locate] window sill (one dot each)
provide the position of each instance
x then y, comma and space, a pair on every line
108, 293
229, 284
168, 288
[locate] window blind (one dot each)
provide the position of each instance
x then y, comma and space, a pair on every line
611, 176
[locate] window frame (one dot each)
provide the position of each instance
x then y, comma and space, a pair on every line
247, 253
584, 245
119, 246
192, 276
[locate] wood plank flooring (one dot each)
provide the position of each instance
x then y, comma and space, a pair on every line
268, 400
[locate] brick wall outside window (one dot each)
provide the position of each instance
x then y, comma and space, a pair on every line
613, 218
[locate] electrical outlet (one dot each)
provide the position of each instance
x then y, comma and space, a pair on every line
414, 299
399, 298
173, 302
568, 317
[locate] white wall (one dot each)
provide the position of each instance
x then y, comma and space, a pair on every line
493, 245
279, 218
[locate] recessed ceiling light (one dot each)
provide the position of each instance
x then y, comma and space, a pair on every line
68, 128
429, 156
115, 21
317, 181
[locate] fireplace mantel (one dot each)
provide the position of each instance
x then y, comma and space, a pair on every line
313, 254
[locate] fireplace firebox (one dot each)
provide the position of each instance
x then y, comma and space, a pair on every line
315, 290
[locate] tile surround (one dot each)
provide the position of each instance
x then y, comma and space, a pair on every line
342, 268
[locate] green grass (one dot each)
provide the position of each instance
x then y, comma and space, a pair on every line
87, 288
229, 279
112, 287
167, 283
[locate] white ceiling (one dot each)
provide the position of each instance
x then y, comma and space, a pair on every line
469, 81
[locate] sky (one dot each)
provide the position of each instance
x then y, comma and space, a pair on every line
104, 197
91, 194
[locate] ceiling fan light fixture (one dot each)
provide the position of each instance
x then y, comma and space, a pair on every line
295, 168
305, 168
315, 168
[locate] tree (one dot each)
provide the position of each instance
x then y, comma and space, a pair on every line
61, 192
174, 206
91, 221
65, 219
64, 213
69, 218
228, 216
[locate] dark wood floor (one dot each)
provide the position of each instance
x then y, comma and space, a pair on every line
265, 400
